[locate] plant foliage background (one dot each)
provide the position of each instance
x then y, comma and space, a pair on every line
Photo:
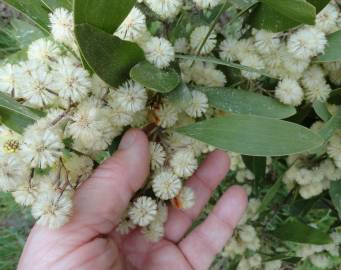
279, 121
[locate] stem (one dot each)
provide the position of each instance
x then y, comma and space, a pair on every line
213, 24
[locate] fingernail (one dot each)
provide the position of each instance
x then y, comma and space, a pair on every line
127, 140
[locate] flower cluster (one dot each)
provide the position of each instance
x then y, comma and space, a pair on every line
81, 117
314, 173
44, 166
249, 241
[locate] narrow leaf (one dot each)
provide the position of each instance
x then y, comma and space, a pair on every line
34, 10
332, 52
321, 110
181, 96
155, 79
217, 61
107, 55
335, 97
9, 104
257, 165
14, 115
296, 231
335, 194
331, 126
246, 102
254, 135
270, 195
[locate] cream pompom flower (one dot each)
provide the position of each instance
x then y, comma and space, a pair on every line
62, 26
312, 76
198, 105
143, 211
204, 4
307, 42
185, 199
27, 192
70, 82
228, 49
289, 92
157, 155
166, 185
87, 123
159, 51
311, 190
183, 162
36, 89
52, 210
132, 96
326, 20
42, 149
165, 8
253, 61
181, 45
12, 172
8, 79
133, 27
125, 225
119, 114
198, 37
319, 92
44, 51
154, 231
266, 42
167, 115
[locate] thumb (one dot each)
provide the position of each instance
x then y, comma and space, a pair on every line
102, 199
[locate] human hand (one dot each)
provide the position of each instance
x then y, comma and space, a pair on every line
89, 241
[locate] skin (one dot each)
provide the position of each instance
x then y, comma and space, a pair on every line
89, 241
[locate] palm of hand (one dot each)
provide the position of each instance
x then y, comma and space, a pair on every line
89, 241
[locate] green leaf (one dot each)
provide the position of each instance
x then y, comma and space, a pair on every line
335, 97
213, 60
155, 79
34, 10
10, 104
322, 219
297, 10
53, 4
42, 172
319, 4
106, 15
332, 52
331, 126
257, 165
278, 16
107, 55
16, 57
25, 33
321, 110
254, 135
181, 96
335, 194
246, 102
100, 157
295, 231
14, 115
270, 195
14, 121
